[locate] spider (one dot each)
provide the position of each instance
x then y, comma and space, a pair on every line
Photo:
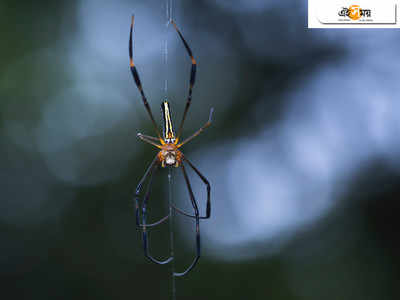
169, 156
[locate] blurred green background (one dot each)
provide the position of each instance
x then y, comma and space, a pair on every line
303, 154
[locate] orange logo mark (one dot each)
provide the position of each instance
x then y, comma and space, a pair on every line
354, 12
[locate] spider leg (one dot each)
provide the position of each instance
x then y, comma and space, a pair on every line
155, 223
208, 207
208, 123
149, 139
137, 194
139, 188
192, 78
196, 211
144, 227
135, 75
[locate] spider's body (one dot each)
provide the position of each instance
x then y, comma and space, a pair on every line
169, 156
169, 134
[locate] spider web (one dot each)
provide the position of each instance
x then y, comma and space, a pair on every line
168, 16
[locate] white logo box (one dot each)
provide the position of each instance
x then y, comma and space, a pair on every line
324, 14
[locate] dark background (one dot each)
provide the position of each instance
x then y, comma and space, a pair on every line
303, 154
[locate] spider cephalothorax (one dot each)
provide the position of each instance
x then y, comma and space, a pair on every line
169, 156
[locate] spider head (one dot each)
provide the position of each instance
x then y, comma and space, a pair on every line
170, 156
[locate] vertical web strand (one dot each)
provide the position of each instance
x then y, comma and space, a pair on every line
168, 16
171, 232
168, 5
